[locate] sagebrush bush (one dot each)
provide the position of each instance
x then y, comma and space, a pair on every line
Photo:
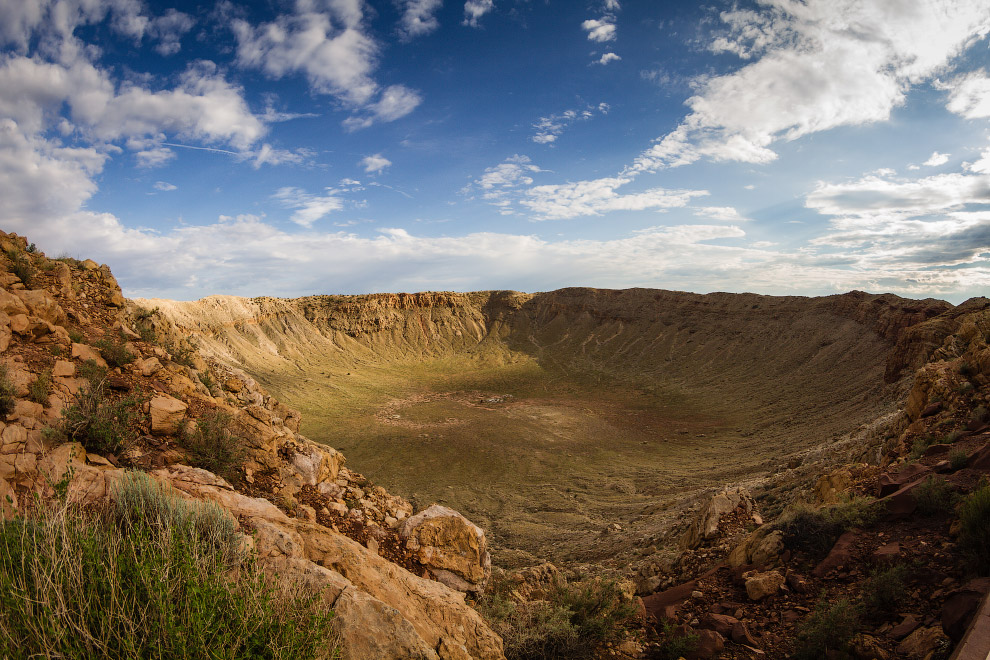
934, 496
974, 535
884, 591
7, 393
149, 577
671, 645
214, 447
827, 631
40, 389
114, 350
21, 266
574, 620
815, 530
957, 459
101, 424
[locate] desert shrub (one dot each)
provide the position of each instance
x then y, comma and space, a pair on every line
827, 630
214, 447
574, 621
206, 378
76, 336
40, 389
957, 459
115, 351
815, 531
884, 591
671, 645
953, 436
966, 370
21, 266
102, 425
7, 393
934, 496
921, 443
965, 388
980, 414
974, 534
182, 351
32, 248
144, 324
151, 577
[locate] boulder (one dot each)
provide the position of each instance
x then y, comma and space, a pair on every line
838, 556
43, 306
453, 548
149, 366
866, 647
922, 642
720, 623
705, 525
167, 414
371, 629
86, 353
311, 464
761, 585
891, 482
960, 606
64, 369
709, 645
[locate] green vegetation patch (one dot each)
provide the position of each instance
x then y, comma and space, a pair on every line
827, 631
214, 447
974, 535
149, 577
815, 531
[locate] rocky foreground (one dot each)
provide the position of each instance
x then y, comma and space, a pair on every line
861, 533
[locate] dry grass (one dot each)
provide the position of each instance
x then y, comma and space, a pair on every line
149, 576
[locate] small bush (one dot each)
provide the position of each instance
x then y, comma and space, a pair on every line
40, 389
214, 447
953, 436
21, 266
974, 535
573, 622
56, 350
144, 323
115, 351
102, 426
7, 393
815, 531
966, 370
76, 336
671, 645
981, 414
957, 459
207, 380
884, 592
827, 630
151, 577
921, 443
934, 496
182, 352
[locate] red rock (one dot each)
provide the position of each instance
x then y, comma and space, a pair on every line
932, 409
790, 616
710, 644
797, 583
887, 553
905, 627
838, 556
891, 482
961, 605
720, 623
663, 605
936, 450
980, 459
740, 635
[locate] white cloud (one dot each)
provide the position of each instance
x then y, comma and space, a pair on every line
168, 29
600, 30
475, 9
549, 128
817, 65
515, 171
165, 186
396, 102
611, 5
722, 213
418, 17
608, 57
308, 207
266, 154
330, 47
375, 163
936, 159
598, 196
969, 95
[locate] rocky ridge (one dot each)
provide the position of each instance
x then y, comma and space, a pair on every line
66, 339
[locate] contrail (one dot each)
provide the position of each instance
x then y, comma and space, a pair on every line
189, 146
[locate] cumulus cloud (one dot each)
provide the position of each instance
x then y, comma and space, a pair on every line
969, 95
600, 30
396, 102
722, 213
308, 208
549, 128
812, 67
168, 29
418, 17
475, 9
598, 196
165, 186
375, 163
608, 57
935, 160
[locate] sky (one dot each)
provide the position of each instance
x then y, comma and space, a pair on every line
299, 147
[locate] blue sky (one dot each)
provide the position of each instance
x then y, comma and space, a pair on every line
343, 146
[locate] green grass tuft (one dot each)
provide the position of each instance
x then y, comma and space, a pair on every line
974, 536
827, 631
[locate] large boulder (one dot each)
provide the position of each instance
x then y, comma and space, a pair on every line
453, 548
705, 525
167, 414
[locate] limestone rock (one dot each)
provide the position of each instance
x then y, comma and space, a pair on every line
64, 369
922, 642
451, 546
149, 366
866, 647
41, 305
86, 353
312, 464
372, 629
761, 585
167, 414
705, 524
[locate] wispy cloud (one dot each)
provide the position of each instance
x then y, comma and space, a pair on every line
375, 163
475, 9
164, 186
549, 128
308, 208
